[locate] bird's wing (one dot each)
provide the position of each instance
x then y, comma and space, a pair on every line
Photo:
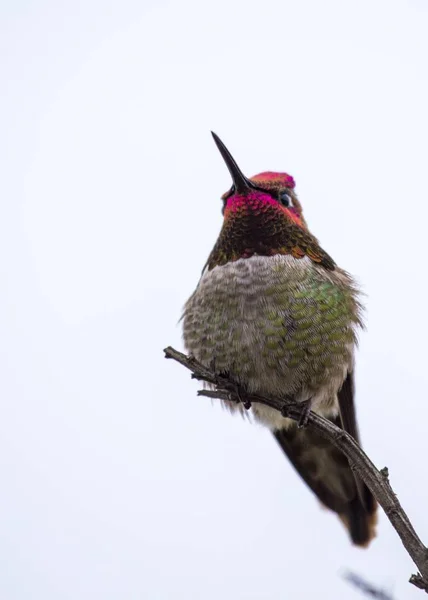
347, 406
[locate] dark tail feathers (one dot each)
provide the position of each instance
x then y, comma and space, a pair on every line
327, 472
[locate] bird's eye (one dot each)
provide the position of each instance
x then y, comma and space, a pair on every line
285, 199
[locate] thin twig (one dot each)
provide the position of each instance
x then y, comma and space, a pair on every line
366, 587
377, 481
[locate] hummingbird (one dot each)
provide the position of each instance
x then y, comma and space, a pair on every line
274, 313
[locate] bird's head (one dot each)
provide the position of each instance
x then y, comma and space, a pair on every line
262, 216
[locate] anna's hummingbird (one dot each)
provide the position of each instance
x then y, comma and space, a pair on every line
275, 313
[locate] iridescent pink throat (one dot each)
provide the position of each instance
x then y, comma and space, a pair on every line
258, 203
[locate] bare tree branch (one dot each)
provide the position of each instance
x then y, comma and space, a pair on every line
376, 480
366, 587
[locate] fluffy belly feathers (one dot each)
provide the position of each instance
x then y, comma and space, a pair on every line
277, 325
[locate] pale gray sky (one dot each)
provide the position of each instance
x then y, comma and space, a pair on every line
117, 482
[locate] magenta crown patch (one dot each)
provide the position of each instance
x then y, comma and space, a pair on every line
271, 177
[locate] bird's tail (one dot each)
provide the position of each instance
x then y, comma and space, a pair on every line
327, 472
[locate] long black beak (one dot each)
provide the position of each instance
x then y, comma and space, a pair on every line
241, 183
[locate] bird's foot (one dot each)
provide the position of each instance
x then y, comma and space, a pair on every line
304, 415
244, 401
236, 394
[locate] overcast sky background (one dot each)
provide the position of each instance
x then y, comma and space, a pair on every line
117, 482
